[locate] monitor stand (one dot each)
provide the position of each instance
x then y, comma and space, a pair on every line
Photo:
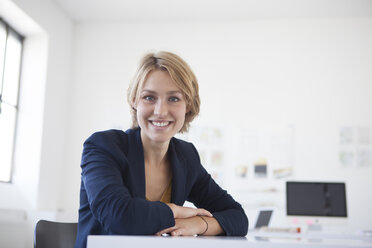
315, 227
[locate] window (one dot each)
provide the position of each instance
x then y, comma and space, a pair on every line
10, 64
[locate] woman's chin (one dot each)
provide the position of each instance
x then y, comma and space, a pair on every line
159, 137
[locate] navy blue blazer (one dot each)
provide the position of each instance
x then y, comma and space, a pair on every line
112, 194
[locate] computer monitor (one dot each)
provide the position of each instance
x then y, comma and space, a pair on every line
316, 199
317, 203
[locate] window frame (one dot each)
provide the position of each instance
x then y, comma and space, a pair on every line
10, 29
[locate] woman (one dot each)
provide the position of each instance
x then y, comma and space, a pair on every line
135, 182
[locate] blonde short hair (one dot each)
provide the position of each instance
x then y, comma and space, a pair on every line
180, 73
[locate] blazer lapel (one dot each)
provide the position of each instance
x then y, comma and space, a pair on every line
136, 163
178, 175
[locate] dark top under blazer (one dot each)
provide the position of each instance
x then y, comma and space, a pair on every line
112, 194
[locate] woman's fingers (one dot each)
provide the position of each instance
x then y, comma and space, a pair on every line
167, 230
171, 231
186, 212
202, 211
185, 227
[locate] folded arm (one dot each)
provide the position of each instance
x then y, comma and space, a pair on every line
111, 202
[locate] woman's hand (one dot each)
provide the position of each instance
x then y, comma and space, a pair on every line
186, 227
186, 212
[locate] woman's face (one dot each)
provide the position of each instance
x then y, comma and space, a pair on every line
161, 108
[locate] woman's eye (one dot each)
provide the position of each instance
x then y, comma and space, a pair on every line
174, 99
149, 98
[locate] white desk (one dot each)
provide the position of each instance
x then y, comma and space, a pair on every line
252, 240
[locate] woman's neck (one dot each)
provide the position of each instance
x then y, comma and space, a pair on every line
155, 154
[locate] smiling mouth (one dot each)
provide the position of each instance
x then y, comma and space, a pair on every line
160, 123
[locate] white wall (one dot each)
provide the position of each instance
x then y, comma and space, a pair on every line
311, 73
59, 29
42, 118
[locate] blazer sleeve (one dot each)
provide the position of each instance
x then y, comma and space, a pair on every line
110, 200
207, 194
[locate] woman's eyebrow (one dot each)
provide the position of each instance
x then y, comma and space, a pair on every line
148, 91
169, 92
174, 92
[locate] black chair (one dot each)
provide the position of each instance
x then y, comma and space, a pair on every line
49, 234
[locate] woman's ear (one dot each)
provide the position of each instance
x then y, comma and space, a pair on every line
188, 110
134, 105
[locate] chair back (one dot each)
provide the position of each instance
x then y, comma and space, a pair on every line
49, 234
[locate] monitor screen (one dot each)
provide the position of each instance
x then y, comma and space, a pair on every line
263, 218
316, 199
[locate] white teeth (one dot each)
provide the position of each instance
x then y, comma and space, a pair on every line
160, 124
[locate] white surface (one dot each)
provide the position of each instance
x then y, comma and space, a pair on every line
222, 242
13, 223
109, 10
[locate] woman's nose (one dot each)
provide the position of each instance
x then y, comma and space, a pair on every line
161, 108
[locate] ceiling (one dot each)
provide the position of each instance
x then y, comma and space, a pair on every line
137, 10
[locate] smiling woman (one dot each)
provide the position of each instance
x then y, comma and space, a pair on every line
136, 182
161, 108
176, 72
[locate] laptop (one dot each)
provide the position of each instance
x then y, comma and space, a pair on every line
263, 218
